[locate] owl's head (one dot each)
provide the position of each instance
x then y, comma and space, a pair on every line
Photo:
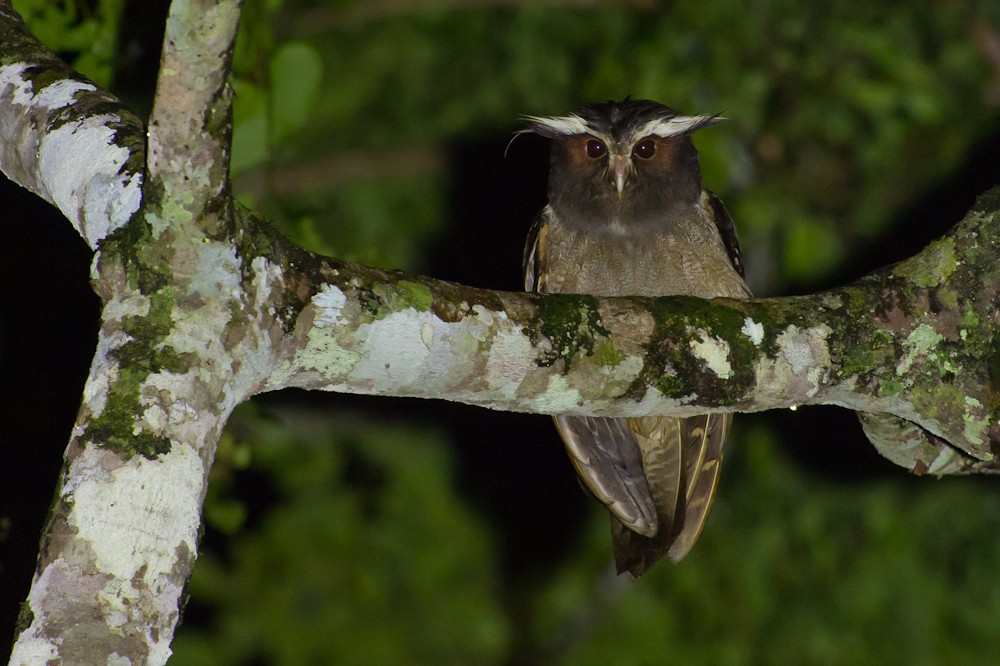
622, 160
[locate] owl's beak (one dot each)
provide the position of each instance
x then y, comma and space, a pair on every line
621, 166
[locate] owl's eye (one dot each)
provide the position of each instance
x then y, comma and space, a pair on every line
645, 149
595, 149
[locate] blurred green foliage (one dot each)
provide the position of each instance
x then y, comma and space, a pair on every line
86, 33
841, 115
366, 556
798, 570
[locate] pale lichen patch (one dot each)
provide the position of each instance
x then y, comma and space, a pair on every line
919, 342
133, 517
155, 419
324, 354
803, 349
329, 301
485, 316
61, 93
131, 532
34, 645
103, 373
714, 352
135, 304
472, 338
508, 361
427, 335
975, 426
57, 95
652, 402
217, 274
794, 346
13, 76
802, 365
816, 376
558, 396
267, 278
83, 170
753, 330
591, 375
393, 349
199, 331
34, 649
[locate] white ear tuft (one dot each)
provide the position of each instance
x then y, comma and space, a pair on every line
677, 125
552, 126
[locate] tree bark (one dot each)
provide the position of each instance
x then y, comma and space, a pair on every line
123, 531
205, 305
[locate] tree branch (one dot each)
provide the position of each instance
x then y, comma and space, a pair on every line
914, 341
63, 138
190, 128
123, 532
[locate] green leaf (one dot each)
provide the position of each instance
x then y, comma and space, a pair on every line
250, 130
296, 74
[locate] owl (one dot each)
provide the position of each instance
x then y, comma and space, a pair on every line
627, 215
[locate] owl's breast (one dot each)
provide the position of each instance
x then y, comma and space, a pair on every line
684, 258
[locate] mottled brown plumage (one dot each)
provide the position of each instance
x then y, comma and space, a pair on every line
627, 215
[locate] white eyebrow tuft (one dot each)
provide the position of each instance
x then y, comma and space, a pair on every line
677, 125
558, 125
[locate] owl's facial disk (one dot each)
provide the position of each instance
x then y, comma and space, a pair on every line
622, 161
621, 137
618, 162
619, 158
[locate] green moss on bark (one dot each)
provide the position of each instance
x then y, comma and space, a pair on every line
142, 355
673, 367
132, 247
572, 325
932, 266
112, 429
605, 354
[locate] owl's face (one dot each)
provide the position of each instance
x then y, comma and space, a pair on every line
622, 164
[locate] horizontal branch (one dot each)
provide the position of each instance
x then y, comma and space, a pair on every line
914, 341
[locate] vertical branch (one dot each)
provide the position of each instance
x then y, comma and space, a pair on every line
170, 366
191, 124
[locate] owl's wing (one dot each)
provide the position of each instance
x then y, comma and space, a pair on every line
603, 450
706, 436
608, 460
535, 248
727, 229
682, 459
